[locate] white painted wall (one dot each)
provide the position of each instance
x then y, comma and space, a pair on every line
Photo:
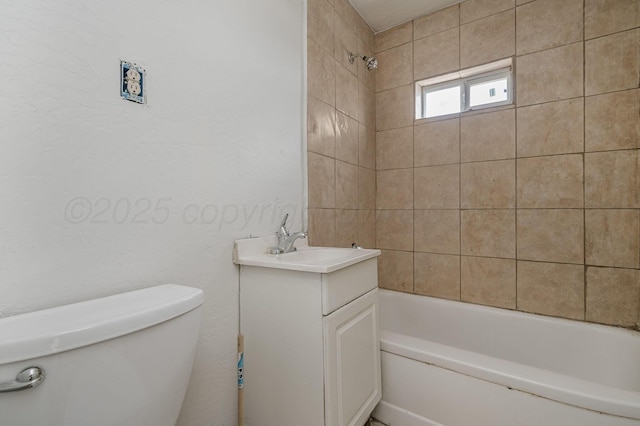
221, 134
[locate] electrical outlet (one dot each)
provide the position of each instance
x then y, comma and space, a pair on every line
132, 82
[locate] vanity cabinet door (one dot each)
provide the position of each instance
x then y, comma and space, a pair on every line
352, 362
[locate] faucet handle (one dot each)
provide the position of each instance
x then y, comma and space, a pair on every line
284, 220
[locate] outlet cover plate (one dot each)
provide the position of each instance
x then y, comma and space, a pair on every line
132, 82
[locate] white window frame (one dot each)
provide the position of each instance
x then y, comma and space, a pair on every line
464, 79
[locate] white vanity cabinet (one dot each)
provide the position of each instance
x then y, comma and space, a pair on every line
312, 352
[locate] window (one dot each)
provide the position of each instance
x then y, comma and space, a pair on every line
474, 88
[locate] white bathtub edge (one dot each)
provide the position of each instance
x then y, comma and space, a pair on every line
394, 415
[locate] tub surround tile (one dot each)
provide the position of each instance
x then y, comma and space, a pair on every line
437, 275
490, 233
320, 23
321, 124
471, 10
346, 138
488, 281
394, 37
552, 235
550, 182
366, 76
346, 92
551, 289
612, 121
604, 17
621, 49
367, 146
611, 179
321, 73
395, 67
488, 185
346, 227
437, 231
612, 296
322, 227
550, 75
345, 42
436, 143
436, 22
612, 237
394, 108
394, 189
346, 185
366, 106
366, 189
436, 54
551, 128
367, 228
394, 149
437, 187
544, 24
395, 270
490, 136
322, 181
487, 39
394, 229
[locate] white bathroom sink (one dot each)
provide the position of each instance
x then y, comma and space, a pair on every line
253, 252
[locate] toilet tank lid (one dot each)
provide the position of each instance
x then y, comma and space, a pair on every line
63, 328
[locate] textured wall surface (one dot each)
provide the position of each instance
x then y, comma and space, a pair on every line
100, 195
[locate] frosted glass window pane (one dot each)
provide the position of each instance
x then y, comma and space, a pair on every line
488, 92
443, 101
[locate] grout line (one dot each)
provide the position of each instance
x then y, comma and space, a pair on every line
584, 173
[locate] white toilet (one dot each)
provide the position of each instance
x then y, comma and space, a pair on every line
119, 360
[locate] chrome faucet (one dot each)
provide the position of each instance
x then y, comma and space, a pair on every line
286, 239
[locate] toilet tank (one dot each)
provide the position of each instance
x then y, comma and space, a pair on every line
118, 360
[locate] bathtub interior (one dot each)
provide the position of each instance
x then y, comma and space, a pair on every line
595, 353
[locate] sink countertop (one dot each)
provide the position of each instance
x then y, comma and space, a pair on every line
253, 252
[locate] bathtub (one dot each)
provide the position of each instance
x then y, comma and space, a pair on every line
457, 364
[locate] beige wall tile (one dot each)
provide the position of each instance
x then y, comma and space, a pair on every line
436, 54
437, 187
612, 238
367, 147
394, 37
490, 136
321, 73
437, 231
346, 92
471, 10
488, 281
322, 227
551, 128
395, 270
366, 76
436, 22
321, 123
488, 233
367, 228
612, 121
437, 143
521, 2
612, 296
550, 75
437, 275
552, 235
394, 148
488, 185
550, 182
611, 179
395, 67
548, 23
394, 189
551, 289
320, 23
602, 17
621, 49
394, 108
346, 138
366, 106
346, 227
345, 41
322, 181
394, 229
488, 39
346, 185
366, 188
